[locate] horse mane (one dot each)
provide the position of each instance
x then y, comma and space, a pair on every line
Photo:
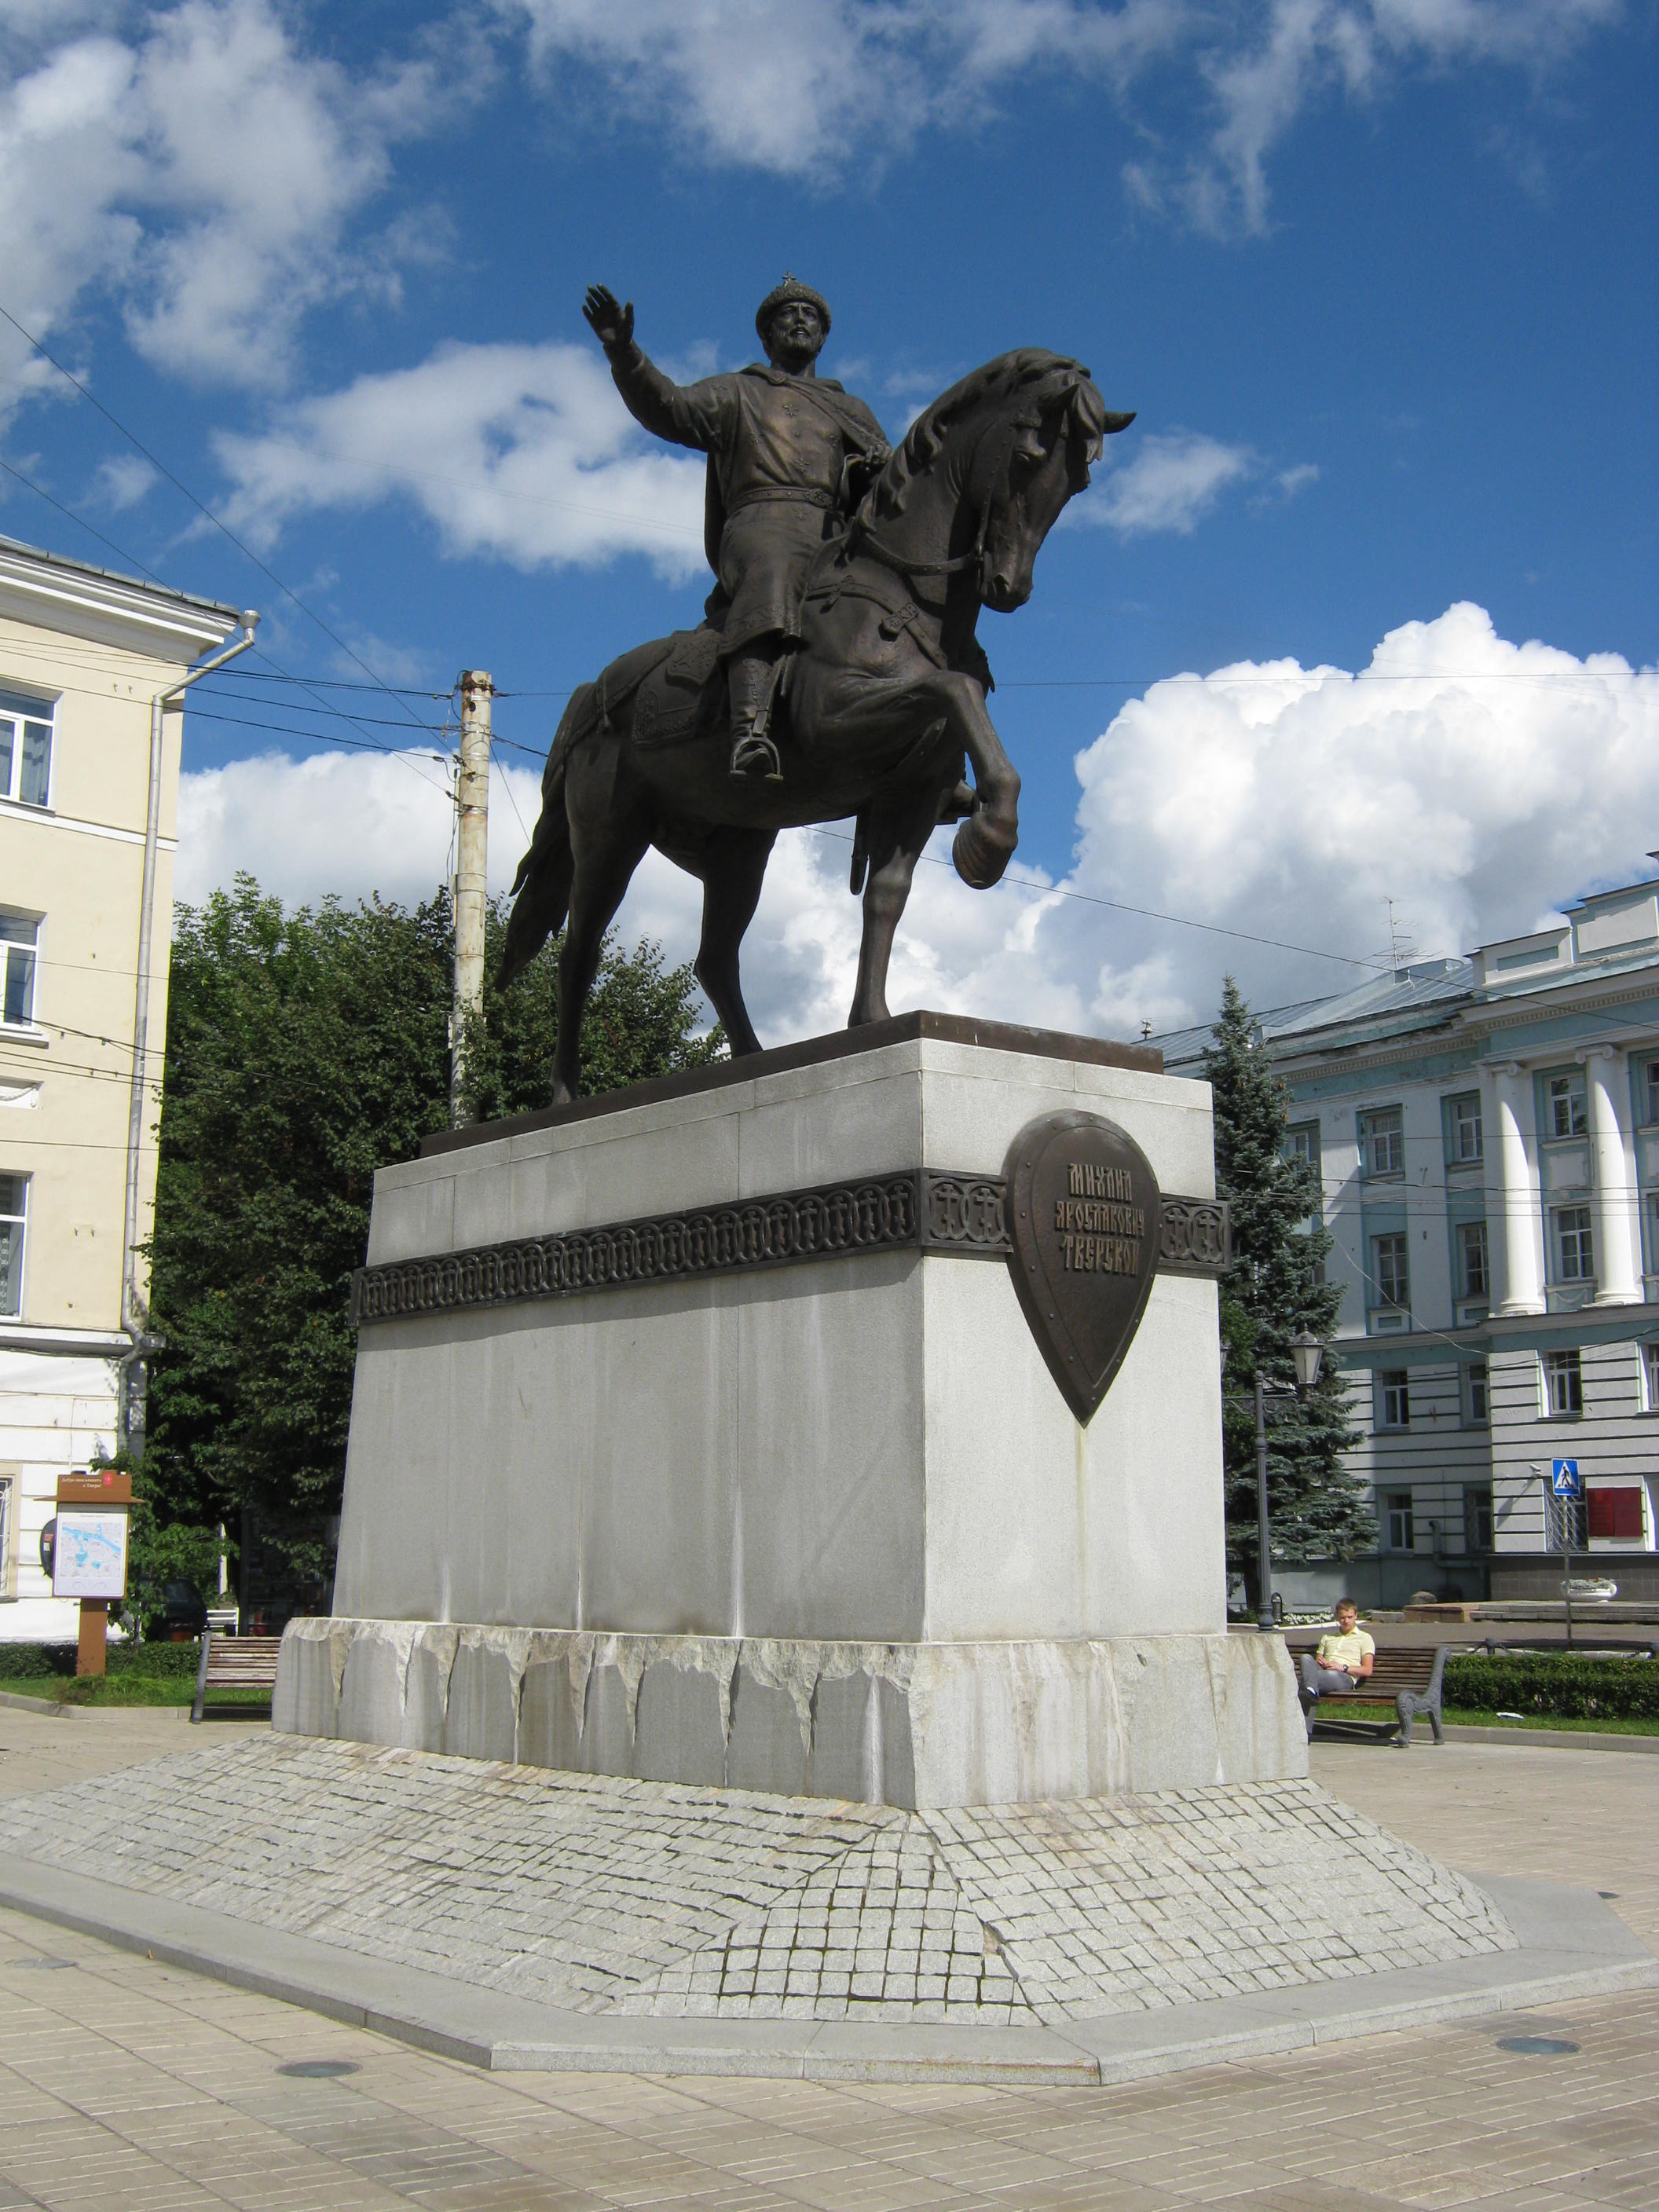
1050, 379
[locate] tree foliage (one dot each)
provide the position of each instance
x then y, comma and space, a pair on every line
305, 1050
1317, 1508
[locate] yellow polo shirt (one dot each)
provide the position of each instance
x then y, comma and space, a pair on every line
1351, 1651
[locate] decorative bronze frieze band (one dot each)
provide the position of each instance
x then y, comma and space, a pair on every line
915, 1209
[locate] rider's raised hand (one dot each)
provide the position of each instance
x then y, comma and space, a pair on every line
613, 326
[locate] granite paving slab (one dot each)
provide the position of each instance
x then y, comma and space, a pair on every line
650, 1901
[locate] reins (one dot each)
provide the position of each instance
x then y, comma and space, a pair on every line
861, 539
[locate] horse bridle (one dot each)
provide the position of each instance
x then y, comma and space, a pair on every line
861, 539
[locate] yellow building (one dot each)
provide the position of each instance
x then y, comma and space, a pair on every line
88, 807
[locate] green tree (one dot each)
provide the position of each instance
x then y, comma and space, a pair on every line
1318, 1509
305, 1050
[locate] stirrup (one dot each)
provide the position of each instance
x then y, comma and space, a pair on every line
755, 759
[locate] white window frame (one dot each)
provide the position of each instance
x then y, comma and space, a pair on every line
22, 948
1472, 1236
20, 709
1561, 1376
1464, 1114
1400, 1516
1648, 1364
1575, 1246
22, 1178
1565, 1099
1393, 1398
1382, 1128
1477, 1394
1383, 1302
1480, 1494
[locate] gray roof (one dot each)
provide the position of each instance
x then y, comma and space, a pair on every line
115, 576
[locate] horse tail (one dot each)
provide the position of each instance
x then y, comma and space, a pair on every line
541, 889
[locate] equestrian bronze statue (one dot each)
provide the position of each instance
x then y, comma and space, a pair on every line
838, 674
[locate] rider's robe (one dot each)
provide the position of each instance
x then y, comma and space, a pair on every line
778, 449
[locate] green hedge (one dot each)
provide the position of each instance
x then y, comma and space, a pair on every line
1553, 1682
30, 1662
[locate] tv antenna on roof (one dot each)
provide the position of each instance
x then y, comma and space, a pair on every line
1402, 950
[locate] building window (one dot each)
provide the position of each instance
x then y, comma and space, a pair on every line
1477, 1394
17, 942
1389, 1277
1472, 1260
1381, 1142
1575, 1245
1567, 1112
1477, 1517
25, 748
1650, 1377
14, 1224
1463, 1129
1394, 1398
1615, 1510
1301, 1145
1401, 1528
1563, 1383
1651, 1093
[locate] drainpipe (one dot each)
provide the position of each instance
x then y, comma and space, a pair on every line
135, 1315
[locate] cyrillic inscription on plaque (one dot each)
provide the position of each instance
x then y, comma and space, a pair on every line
1082, 1220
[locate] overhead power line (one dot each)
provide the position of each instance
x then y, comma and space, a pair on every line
200, 506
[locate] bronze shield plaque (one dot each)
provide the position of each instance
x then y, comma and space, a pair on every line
1083, 1219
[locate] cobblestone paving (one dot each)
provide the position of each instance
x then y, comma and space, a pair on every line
614, 1896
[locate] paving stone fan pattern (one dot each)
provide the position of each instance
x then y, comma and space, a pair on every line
611, 1896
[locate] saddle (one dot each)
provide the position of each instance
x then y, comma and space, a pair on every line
684, 695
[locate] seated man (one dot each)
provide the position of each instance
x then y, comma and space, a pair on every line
1342, 1662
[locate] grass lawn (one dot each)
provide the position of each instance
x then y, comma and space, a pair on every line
1606, 1725
129, 1690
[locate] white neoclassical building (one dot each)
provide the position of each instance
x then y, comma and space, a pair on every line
1486, 1136
89, 800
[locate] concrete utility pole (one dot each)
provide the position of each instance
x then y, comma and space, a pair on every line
471, 841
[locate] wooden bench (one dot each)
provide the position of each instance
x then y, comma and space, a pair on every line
235, 1663
1407, 1676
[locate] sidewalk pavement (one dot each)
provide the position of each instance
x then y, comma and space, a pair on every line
123, 2081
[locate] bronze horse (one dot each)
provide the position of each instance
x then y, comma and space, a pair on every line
884, 696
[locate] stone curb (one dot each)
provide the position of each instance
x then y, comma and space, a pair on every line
1552, 1738
1572, 1946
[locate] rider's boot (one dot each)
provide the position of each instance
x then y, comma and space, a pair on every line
753, 756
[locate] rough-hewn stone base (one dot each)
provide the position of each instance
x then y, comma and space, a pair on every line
918, 1725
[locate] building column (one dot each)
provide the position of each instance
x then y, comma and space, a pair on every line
1514, 1230
1617, 1271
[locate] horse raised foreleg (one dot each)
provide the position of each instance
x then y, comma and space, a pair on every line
985, 843
898, 837
733, 874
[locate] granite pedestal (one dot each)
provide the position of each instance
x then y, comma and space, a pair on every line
823, 1525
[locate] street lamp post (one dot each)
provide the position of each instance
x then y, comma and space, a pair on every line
1306, 1351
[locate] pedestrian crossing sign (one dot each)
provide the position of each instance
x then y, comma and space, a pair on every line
1565, 1479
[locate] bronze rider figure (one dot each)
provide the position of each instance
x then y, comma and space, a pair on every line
789, 456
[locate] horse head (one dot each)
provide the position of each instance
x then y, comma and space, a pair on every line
1006, 447
1025, 470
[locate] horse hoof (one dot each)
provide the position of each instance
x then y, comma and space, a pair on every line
982, 852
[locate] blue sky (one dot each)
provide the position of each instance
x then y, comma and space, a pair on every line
1377, 274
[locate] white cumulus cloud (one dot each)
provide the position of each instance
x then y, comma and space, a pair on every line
204, 169
518, 452
1476, 781
1171, 482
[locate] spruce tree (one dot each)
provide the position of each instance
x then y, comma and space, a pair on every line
1317, 1508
